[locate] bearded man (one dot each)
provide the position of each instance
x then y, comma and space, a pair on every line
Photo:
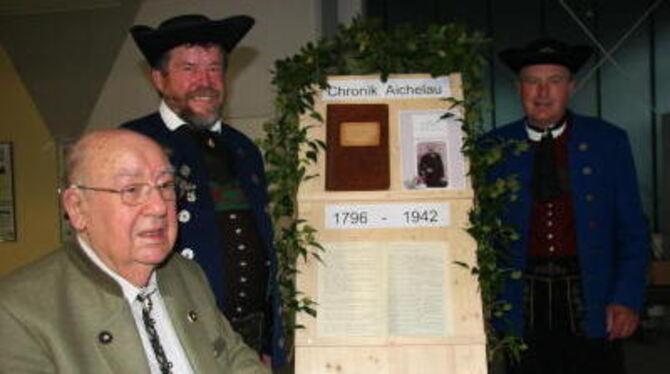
223, 224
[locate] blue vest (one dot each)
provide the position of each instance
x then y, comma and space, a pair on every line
199, 233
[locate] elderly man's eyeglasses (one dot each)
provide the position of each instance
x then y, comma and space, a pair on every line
138, 193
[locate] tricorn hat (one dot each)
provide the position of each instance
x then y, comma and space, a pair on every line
190, 28
546, 51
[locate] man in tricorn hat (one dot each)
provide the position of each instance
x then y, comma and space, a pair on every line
223, 223
583, 245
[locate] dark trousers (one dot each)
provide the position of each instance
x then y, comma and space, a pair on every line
564, 353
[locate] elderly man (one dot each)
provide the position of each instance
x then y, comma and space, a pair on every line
223, 221
117, 301
584, 242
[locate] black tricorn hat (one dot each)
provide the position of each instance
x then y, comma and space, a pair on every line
546, 51
190, 28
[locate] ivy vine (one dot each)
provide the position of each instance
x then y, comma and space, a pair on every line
360, 48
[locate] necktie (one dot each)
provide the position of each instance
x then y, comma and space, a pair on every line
217, 158
149, 325
546, 183
201, 136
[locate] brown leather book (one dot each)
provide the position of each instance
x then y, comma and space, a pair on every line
357, 154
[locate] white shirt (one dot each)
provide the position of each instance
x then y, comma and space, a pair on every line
173, 121
166, 333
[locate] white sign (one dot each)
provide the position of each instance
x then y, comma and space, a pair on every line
365, 89
373, 289
375, 216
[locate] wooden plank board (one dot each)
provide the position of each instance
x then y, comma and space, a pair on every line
458, 345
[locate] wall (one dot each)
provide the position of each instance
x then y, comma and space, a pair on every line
35, 172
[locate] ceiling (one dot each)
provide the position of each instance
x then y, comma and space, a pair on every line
32, 7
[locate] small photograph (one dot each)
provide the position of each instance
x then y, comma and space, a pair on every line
432, 164
430, 146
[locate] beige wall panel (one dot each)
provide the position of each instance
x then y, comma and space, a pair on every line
409, 359
469, 359
421, 359
461, 349
364, 360
35, 173
335, 360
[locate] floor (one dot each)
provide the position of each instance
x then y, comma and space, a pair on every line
649, 357
648, 352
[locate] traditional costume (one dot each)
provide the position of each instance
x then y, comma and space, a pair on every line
583, 237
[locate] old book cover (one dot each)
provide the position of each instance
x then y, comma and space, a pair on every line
357, 156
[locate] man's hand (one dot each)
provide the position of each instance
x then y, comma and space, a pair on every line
267, 360
621, 321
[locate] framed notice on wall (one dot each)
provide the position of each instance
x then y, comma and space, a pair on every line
7, 204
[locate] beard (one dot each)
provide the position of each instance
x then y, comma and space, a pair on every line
203, 121
199, 121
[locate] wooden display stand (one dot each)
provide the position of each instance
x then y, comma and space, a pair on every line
390, 296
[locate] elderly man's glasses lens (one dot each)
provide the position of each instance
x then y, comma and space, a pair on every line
138, 193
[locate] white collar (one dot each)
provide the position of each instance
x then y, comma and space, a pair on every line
130, 291
536, 136
173, 121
